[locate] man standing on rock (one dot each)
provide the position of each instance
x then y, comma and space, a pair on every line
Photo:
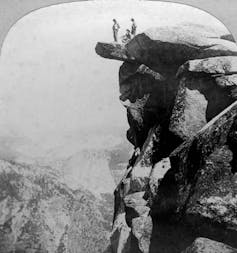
134, 27
115, 30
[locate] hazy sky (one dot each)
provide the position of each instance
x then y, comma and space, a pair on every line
54, 89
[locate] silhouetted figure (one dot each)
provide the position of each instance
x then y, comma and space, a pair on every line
134, 27
127, 36
115, 30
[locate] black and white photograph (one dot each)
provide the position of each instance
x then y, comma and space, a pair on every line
118, 127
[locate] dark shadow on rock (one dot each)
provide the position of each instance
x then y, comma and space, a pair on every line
232, 142
171, 236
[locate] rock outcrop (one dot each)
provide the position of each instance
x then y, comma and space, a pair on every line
202, 245
169, 56
203, 174
162, 46
179, 87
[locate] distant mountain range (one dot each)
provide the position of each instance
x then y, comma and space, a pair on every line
62, 199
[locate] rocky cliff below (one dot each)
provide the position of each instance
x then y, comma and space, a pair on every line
179, 86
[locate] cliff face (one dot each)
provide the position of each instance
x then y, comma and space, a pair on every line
179, 86
148, 81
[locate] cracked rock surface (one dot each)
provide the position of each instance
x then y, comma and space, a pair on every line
178, 85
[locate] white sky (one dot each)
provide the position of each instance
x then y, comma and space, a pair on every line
54, 88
